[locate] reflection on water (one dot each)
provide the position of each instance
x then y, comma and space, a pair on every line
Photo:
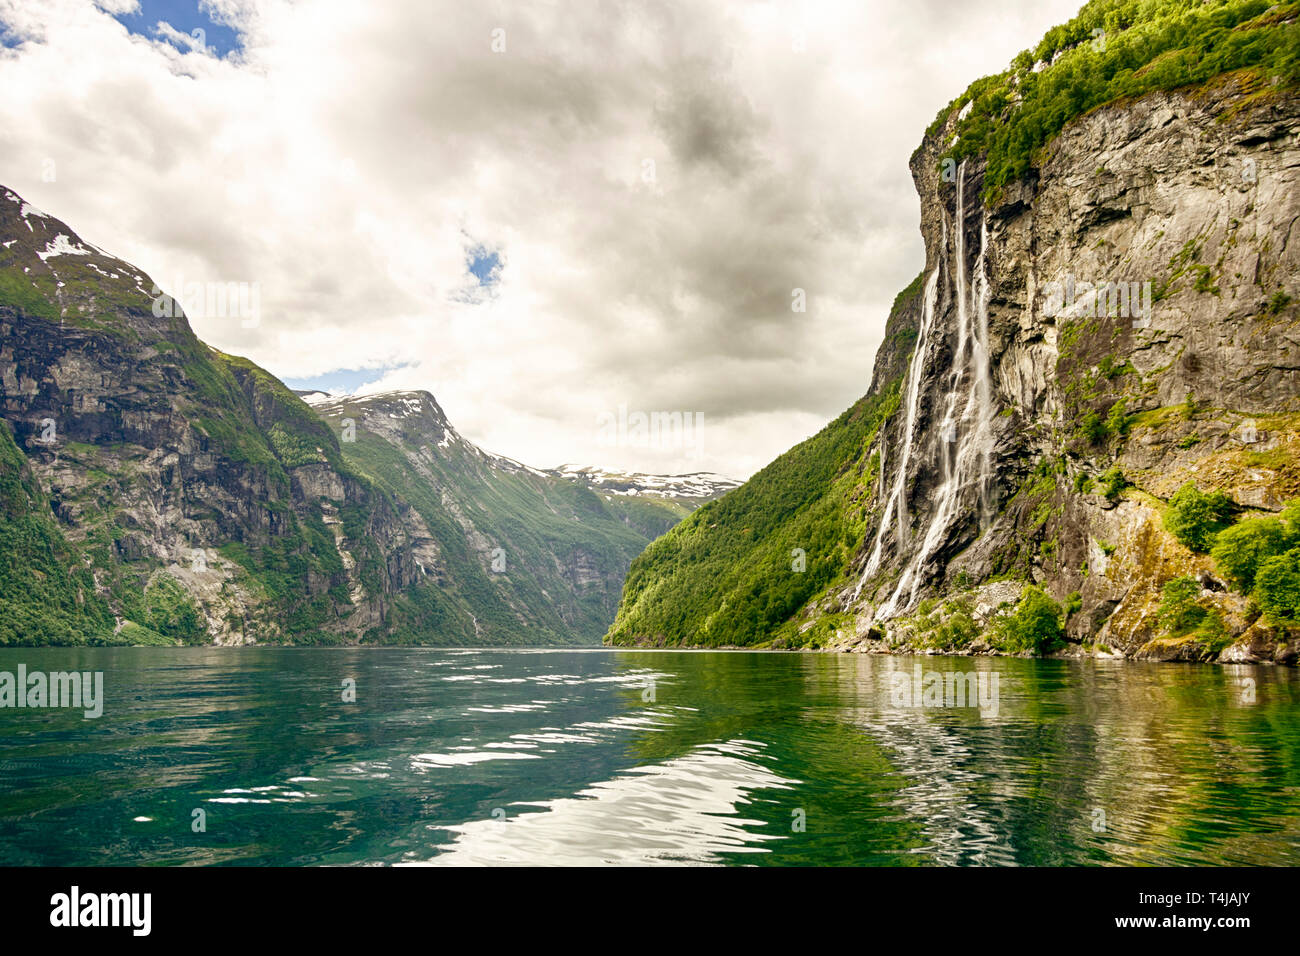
578, 757
685, 810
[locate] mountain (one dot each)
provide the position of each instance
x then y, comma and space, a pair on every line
156, 490
691, 490
514, 549
205, 500
1084, 420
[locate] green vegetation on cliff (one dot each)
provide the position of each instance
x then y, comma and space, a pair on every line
1261, 557
47, 594
169, 611
1036, 625
1114, 49
742, 566
1194, 517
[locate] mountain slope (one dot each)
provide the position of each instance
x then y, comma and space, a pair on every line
518, 553
197, 487
1097, 326
156, 490
740, 566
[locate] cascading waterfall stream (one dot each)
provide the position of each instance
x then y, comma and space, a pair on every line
896, 501
965, 429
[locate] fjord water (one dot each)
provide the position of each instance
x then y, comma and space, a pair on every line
611, 756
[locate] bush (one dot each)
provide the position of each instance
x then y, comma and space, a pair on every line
1113, 483
1179, 613
1277, 589
1117, 421
1073, 603
1212, 632
170, 611
1195, 518
1093, 428
1239, 550
949, 628
1035, 624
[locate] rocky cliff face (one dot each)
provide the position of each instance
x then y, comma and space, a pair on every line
1092, 380
168, 463
508, 554
1120, 320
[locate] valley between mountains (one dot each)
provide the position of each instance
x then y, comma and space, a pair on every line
157, 491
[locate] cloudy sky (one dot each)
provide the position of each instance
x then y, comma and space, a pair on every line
542, 212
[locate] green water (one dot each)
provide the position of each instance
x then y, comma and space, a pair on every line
574, 757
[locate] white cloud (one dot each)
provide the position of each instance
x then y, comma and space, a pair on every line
351, 153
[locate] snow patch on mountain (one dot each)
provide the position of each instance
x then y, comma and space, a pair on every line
61, 245
317, 398
700, 484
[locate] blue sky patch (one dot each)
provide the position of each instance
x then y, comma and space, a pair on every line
346, 380
184, 16
484, 264
8, 39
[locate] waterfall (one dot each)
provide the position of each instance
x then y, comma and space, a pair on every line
896, 500
965, 445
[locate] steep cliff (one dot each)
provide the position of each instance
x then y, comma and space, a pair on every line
1106, 314
196, 488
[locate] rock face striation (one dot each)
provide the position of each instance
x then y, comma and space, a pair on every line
1137, 280
157, 490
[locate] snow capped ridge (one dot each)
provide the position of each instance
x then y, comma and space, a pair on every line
316, 398
700, 484
27, 208
401, 413
398, 404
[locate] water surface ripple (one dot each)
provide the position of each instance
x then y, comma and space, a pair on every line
642, 757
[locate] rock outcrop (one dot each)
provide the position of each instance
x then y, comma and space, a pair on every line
1147, 264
